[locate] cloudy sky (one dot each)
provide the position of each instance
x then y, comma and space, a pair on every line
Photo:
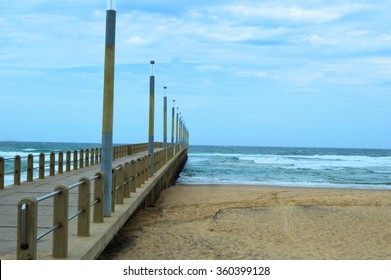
264, 73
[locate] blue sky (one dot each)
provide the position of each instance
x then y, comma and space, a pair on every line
263, 73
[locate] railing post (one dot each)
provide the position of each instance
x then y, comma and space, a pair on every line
75, 156
68, 161
147, 166
30, 167
143, 172
114, 153
97, 155
81, 159
98, 194
113, 188
52, 162
87, 158
92, 162
60, 162
157, 161
151, 169
26, 244
60, 217
127, 180
83, 220
41, 166
132, 176
1, 173
161, 159
17, 168
120, 184
138, 173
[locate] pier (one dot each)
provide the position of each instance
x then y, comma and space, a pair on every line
71, 204
61, 216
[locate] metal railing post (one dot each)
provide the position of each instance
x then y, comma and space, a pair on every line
26, 248
60, 217
17, 167
83, 219
98, 194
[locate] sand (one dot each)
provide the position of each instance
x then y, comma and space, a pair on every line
258, 222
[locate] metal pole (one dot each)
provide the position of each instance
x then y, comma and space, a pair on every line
108, 108
172, 123
177, 116
165, 121
151, 118
180, 131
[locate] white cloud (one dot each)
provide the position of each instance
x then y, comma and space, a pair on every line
207, 67
292, 13
138, 41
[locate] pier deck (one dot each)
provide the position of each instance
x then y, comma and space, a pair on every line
78, 247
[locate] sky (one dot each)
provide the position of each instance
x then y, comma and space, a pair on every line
251, 73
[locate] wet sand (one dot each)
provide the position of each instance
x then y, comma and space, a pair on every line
258, 222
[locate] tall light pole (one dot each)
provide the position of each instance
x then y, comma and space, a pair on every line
177, 131
151, 118
172, 123
165, 121
108, 107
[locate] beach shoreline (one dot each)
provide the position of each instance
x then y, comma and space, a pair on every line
209, 222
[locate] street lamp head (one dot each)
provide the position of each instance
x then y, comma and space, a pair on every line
152, 62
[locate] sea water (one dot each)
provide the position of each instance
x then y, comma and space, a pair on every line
306, 167
9, 149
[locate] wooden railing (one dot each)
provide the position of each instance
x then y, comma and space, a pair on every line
126, 179
29, 168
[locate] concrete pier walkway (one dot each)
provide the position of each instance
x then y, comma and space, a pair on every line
101, 234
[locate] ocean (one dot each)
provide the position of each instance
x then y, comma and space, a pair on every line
9, 149
306, 167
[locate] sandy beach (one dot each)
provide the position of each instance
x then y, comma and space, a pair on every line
258, 222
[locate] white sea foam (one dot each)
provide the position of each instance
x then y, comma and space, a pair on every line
369, 169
